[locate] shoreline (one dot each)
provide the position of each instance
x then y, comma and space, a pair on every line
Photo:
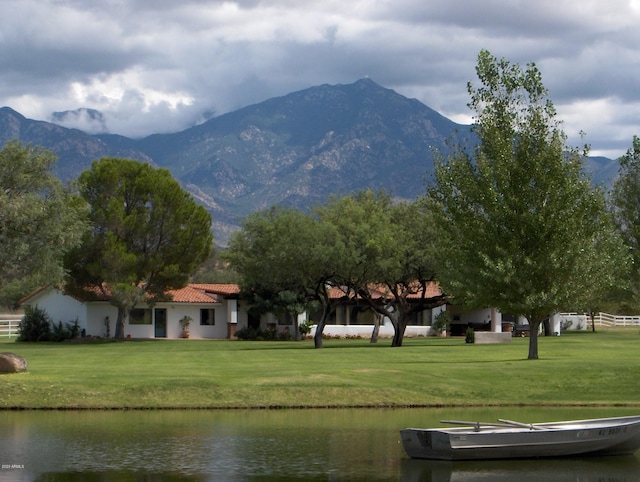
322, 407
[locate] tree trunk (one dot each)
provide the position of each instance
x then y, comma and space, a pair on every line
398, 335
593, 321
317, 337
122, 315
533, 339
296, 328
376, 327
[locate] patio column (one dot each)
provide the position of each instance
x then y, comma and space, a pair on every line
496, 320
232, 318
554, 324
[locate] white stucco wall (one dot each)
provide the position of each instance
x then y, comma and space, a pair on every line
176, 311
96, 313
91, 317
60, 307
365, 331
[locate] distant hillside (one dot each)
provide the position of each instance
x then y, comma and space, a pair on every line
75, 149
291, 150
603, 170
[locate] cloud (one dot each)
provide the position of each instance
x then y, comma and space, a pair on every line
162, 66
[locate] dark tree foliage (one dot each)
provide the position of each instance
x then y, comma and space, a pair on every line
35, 326
358, 245
148, 235
288, 261
393, 254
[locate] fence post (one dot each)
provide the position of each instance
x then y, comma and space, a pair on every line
9, 326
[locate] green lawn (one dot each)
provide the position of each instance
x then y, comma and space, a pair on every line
576, 368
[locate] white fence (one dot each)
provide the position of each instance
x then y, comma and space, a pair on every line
9, 325
582, 321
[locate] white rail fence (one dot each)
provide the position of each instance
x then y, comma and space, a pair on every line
9, 325
583, 321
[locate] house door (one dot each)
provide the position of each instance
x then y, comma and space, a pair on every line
160, 322
253, 318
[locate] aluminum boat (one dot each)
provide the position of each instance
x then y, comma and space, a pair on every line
507, 439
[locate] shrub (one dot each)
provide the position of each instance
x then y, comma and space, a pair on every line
258, 334
246, 333
284, 335
305, 328
470, 336
67, 331
441, 323
35, 326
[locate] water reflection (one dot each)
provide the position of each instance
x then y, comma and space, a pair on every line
610, 469
261, 445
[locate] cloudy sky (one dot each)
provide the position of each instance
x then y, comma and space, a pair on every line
164, 65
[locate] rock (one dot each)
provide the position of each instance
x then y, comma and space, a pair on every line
12, 363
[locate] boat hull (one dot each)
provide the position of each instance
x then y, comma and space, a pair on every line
611, 436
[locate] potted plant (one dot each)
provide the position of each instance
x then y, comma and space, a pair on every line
185, 323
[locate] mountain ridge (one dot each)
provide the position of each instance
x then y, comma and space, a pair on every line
292, 150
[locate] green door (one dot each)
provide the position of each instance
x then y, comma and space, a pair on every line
160, 322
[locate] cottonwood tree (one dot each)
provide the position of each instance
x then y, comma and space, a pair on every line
394, 251
520, 225
625, 199
40, 219
148, 235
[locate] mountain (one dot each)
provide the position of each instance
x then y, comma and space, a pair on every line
292, 150
75, 149
602, 170
300, 148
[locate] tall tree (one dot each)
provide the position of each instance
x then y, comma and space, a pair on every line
289, 259
394, 251
517, 216
625, 198
40, 219
148, 235
359, 245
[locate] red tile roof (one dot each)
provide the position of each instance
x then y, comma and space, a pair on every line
225, 289
192, 293
204, 292
189, 294
432, 291
210, 293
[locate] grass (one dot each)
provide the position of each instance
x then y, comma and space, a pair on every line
574, 369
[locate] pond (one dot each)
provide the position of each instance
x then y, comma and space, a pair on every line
239, 445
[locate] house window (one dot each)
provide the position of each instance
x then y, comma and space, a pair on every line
140, 316
207, 316
420, 318
285, 319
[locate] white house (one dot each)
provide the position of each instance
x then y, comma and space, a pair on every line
353, 317
217, 312
214, 309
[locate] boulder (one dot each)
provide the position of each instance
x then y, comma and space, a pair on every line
12, 363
